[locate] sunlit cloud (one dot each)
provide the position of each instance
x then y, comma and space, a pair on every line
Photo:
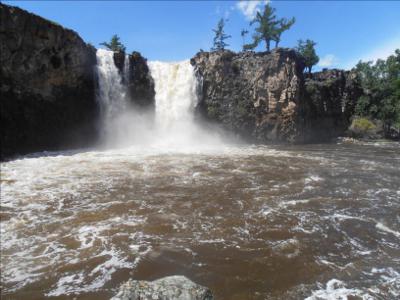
250, 8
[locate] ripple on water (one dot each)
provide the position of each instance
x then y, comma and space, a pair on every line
247, 221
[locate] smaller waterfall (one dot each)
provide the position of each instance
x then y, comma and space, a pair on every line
112, 94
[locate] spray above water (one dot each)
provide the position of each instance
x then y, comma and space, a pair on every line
172, 127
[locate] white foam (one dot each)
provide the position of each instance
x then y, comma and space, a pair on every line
337, 290
387, 229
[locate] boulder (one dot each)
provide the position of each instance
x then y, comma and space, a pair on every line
167, 288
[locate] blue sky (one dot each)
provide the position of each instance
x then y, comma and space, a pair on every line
345, 31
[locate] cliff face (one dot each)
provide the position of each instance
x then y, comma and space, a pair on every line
329, 98
140, 83
264, 97
47, 85
254, 94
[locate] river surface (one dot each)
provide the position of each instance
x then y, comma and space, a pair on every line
249, 222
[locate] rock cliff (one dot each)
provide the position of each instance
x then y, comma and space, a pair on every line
257, 95
47, 85
265, 97
140, 83
329, 102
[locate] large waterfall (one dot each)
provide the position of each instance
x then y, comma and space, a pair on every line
173, 125
175, 85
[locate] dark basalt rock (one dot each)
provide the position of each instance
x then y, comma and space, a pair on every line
264, 97
330, 99
257, 95
140, 83
119, 60
47, 85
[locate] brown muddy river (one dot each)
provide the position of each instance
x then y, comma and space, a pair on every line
249, 222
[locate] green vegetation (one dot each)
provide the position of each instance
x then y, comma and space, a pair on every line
268, 29
363, 127
220, 37
381, 85
114, 44
307, 50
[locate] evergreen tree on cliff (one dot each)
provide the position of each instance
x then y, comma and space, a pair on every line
114, 44
307, 50
284, 25
269, 28
220, 37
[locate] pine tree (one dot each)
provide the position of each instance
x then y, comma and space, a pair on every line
269, 28
284, 25
307, 50
114, 44
220, 37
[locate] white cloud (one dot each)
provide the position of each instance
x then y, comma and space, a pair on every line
327, 61
250, 8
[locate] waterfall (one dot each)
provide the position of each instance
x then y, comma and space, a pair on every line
173, 127
112, 94
175, 86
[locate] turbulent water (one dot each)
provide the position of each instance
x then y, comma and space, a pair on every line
249, 222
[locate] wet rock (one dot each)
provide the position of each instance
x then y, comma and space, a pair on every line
47, 85
140, 83
167, 288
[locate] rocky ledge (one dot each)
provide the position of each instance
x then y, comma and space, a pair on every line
167, 288
265, 97
140, 83
47, 85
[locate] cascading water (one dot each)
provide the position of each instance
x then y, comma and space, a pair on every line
112, 94
176, 99
175, 85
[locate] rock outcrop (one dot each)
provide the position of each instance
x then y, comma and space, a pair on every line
140, 83
47, 85
119, 60
257, 95
265, 97
167, 288
329, 98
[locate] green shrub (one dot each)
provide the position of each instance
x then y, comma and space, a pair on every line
362, 127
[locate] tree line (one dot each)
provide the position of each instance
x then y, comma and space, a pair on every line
268, 29
380, 82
